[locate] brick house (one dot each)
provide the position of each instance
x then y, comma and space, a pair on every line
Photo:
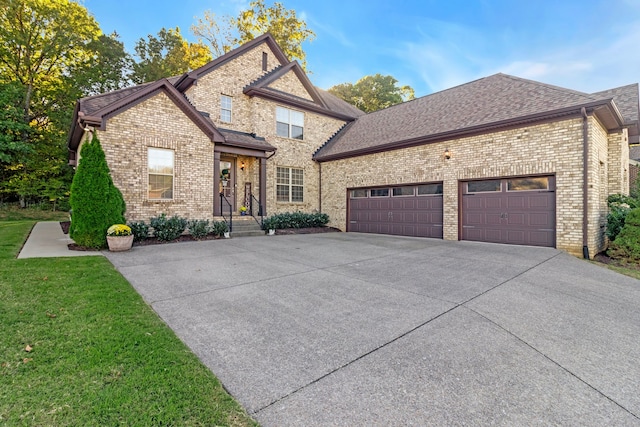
500, 159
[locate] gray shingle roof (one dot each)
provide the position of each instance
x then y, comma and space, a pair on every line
626, 98
482, 102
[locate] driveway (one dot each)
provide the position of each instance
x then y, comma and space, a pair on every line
357, 329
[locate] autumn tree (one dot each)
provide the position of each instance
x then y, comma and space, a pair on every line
41, 42
373, 93
166, 55
283, 24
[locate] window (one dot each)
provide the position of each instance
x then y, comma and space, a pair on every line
265, 58
289, 123
483, 186
357, 194
225, 108
289, 185
429, 189
524, 184
380, 192
160, 173
403, 191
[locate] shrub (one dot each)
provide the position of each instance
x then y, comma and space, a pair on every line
140, 230
219, 228
295, 220
627, 244
97, 204
198, 228
167, 229
619, 207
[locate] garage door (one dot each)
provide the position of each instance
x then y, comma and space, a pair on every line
517, 211
402, 211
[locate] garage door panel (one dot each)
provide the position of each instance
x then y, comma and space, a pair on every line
397, 214
525, 217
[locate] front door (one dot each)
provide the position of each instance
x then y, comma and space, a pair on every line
228, 184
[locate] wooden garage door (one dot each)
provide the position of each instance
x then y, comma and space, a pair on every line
517, 211
402, 211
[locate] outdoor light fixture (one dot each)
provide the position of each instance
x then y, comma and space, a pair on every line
241, 166
447, 154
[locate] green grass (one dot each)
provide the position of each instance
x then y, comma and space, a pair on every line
631, 272
99, 355
13, 212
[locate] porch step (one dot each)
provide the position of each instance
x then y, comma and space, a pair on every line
246, 226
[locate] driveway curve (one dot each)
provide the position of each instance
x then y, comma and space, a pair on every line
358, 329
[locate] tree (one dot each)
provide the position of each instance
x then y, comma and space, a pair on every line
13, 130
40, 41
107, 69
373, 93
96, 202
167, 55
283, 24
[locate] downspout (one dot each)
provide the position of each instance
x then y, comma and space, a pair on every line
585, 183
320, 187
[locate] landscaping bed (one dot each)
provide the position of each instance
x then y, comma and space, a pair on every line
188, 238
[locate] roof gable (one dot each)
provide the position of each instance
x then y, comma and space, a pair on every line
97, 115
491, 102
187, 79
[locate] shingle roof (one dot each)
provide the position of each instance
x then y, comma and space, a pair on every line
634, 153
626, 98
491, 100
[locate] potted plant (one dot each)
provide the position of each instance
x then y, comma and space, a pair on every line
269, 225
119, 238
243, 210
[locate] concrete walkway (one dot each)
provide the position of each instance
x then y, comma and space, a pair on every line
47, 240
355, 329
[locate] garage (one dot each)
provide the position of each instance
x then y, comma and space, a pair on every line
515, 211
410, 210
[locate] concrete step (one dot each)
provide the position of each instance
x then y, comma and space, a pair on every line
247, 233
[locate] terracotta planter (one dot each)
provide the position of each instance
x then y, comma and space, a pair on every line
119, 243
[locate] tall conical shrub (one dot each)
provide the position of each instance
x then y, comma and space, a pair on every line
96, 203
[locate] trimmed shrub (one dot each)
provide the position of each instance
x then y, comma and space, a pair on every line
96, 203
198, 228
295, 220
140, 230
627, 244
219, 228
167, 229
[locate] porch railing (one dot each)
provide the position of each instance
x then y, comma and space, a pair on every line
225, 204
256, 210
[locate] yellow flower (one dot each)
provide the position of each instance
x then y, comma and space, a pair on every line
119, 230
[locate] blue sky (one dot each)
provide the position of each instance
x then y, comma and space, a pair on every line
431, 45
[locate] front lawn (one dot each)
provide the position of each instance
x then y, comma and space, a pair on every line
78, 346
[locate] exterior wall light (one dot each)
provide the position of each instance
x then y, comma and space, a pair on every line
241, 166
447, 154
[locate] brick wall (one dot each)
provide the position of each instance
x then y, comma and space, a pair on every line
549, 148
158, 122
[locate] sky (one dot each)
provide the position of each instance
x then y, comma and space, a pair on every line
431, 45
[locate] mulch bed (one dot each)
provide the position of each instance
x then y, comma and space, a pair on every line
187, 238
603, 258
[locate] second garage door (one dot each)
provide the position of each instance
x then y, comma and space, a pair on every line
414, 210
517, 211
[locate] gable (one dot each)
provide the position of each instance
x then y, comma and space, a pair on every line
290, 83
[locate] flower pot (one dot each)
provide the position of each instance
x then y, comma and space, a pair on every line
119, 243
226, 235
272, 232
243, 213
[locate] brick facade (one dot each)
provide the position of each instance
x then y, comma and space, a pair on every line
551, 148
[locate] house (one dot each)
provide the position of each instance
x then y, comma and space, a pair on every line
500, 159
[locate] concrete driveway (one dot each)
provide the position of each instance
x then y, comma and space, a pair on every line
356, 329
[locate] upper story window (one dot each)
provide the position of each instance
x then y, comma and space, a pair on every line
160, 173
225, 108
289, 123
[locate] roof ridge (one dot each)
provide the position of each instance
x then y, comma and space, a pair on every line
549, 86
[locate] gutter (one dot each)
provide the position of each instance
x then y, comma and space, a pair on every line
585, 182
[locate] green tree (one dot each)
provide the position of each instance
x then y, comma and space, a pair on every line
13, 130
107, 69
627, 244
283, 24
167, 55
96, 202
373, 93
